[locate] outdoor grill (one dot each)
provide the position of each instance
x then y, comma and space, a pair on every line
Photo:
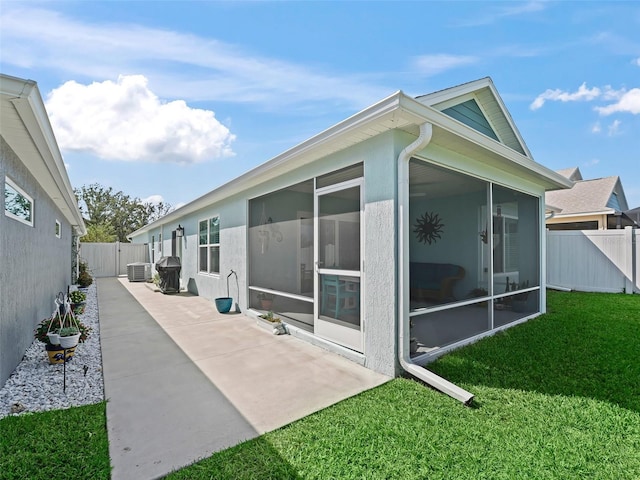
168, 269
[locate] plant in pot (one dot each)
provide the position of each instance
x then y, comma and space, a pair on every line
69, 336
48, 332
77, 300
273, 322
266, 300
84, 278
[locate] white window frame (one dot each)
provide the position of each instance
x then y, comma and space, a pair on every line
58, 229
21, 192
207, 246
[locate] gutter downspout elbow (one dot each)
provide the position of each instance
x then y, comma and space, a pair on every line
439, 383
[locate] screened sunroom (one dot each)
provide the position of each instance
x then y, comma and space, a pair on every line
474, 256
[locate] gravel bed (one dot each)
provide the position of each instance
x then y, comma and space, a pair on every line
37, 386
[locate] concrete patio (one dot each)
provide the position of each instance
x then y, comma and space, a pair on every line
183, 381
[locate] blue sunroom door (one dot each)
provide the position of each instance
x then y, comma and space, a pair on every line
338, 264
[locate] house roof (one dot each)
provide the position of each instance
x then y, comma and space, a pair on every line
397, 111
484, 93
596, 196
572, 173
25, 126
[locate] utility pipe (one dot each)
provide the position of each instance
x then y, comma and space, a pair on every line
439, 383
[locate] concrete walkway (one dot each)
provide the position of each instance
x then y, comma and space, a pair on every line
183, 381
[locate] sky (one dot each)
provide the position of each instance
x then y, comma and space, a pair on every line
167, 100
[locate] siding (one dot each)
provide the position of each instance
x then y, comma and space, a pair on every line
35, 265
470, 114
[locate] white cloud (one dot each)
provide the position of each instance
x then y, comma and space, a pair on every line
153, 199
628, 102
582, 94
512, 9
614, 128
167, 58
433, 64
593, 161
596, 128
636, 61
125, 120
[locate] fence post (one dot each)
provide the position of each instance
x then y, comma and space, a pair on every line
630, 261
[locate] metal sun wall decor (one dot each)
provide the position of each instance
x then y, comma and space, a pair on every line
428, 228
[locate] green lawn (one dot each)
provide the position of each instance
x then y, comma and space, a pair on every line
57, 444
557, 397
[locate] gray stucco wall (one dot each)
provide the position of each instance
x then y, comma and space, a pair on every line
35, 264
379, 279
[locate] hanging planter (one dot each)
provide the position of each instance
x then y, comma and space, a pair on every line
69, 337
61, 332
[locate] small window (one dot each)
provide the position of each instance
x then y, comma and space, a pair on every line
153, 249
17, 204
209, 245
58, 229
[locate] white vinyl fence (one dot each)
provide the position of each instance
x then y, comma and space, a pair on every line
594, 260
111, 259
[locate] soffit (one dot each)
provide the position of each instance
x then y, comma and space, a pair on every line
396, 112
23, 132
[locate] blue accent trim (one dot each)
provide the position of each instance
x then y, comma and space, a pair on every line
613, 202
470, 114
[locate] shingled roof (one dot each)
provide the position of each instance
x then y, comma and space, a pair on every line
600, 195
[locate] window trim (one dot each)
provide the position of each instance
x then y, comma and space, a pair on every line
22, 193
208, 246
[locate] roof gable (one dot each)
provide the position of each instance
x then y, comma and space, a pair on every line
572, 173
470, 114
588, 196
478, 105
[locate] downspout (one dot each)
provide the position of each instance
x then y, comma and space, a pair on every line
430, 378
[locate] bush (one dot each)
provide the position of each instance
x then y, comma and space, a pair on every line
84, 278
77, 296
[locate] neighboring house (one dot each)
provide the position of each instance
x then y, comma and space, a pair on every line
40, 222
634, 214
416, 218
597, 204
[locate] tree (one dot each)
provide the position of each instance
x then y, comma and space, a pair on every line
99, 232
111, 214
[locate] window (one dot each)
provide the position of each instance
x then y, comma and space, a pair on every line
209, 245
160, 244
153, 249
17, 204
58, 229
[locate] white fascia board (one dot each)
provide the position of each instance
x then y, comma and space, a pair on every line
552, 179
453, 92
585, 214
404, 108
269, 169
26, 98
471, 87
